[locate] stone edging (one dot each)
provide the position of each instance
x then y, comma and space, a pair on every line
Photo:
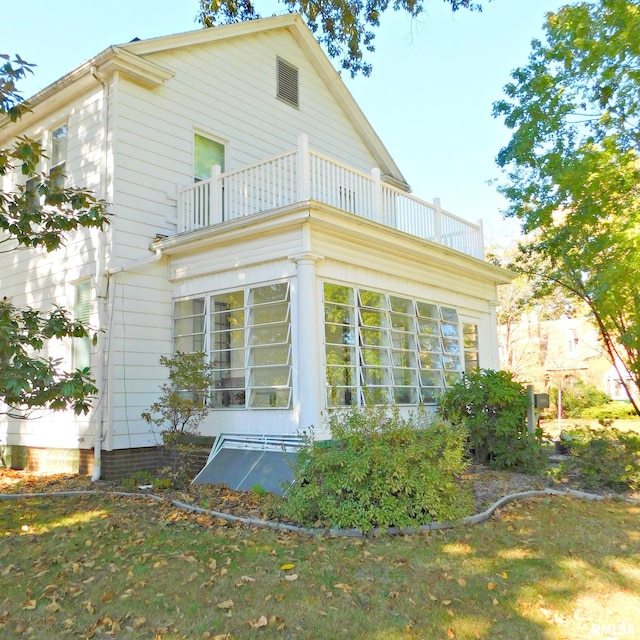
351, 533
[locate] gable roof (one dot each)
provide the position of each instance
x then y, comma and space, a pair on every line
130, 59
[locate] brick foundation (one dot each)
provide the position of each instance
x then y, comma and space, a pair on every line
116, 465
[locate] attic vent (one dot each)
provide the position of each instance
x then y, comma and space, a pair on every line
288, 83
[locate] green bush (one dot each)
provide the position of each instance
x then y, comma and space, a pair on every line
383, 471
493, 409
603, 457
611, 411
578, 398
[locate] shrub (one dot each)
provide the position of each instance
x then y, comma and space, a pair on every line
383, 471
578, 398
182, 405
493, 409
611, 411
603, 457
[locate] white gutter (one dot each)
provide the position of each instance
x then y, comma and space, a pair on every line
132, 266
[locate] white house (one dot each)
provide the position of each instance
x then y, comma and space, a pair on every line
256, 216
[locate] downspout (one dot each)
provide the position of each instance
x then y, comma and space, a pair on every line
103, 307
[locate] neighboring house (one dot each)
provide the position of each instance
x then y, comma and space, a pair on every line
552, 353
257, 217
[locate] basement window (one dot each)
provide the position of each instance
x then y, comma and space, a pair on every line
287, 83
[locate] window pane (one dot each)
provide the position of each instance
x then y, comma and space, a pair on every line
206, 153
186, 326
270, 355
406, 395
341, 396
430, 344
278, 312
431, 395
470, 360
59, 146
340, 355
430, 360
404, 377
338, 293
339, 334
429, 327
341, 376
402, 322
450, 330
450, 315
404, 358
451, 346
428, 310
374, 337
401, 305
470, 333
338, 314
269, 334
452, 363
375, 376
193, 307
377, 357
403, 340
270, 293
431, 378
372, 299
227, 301
269, 376
370, 318
269, 398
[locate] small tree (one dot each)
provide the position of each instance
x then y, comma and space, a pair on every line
183, 404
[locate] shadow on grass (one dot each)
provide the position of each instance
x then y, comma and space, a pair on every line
541, 569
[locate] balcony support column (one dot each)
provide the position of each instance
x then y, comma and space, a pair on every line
376, 174
308, 363
216, 208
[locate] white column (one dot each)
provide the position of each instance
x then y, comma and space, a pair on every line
308, 341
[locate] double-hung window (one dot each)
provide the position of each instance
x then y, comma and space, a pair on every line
58, 159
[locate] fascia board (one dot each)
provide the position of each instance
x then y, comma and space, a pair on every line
366, 233
76, 82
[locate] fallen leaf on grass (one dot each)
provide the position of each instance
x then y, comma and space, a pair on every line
462, 582
432, 598
227, 604
450, 633
54, 607
491, 585
29, 604
291, 577
346, 588
260, 622
287, 566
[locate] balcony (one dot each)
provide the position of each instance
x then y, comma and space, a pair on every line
303, 174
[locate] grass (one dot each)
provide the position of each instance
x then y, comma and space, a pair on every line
100, 567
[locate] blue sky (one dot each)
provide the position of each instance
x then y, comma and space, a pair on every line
429, 97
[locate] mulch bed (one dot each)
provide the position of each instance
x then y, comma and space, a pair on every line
487, 487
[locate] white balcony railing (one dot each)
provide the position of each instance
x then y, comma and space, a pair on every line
301, 174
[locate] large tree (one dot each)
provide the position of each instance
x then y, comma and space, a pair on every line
344, 27
573, 166
37, 214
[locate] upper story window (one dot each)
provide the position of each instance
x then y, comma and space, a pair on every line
206, 153
287, 83
58, 156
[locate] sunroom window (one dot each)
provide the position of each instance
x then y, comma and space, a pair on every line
246, 335
382, 348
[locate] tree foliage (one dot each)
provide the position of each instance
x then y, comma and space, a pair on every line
344, 27
573, 166
182, 405
37, 214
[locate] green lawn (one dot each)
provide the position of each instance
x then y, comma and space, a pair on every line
548, 569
